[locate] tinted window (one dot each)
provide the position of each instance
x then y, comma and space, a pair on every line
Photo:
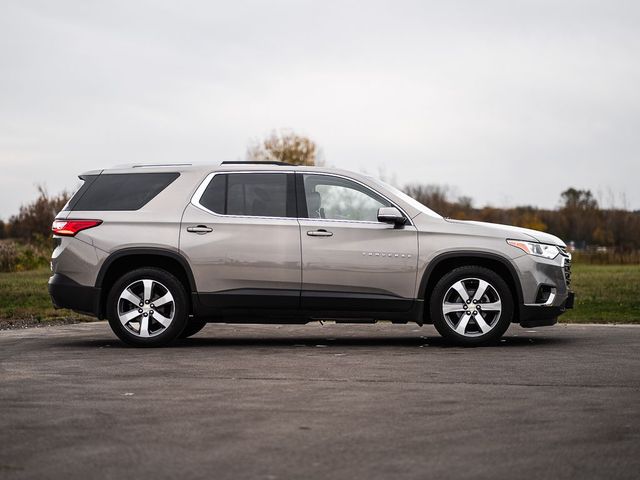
87, 180
128, 191
251, 194
214, 196
337, 198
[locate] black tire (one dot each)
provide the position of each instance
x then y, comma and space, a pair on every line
178, 313
473, 333
193, 326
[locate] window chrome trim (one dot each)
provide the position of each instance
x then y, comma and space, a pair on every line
394, 204
195, 198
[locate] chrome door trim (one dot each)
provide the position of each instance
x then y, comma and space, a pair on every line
195, 198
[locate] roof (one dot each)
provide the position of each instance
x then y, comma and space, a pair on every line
212, 167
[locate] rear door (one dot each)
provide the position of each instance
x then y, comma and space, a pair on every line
350, 260
242, 239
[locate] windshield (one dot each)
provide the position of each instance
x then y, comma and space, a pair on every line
407, 199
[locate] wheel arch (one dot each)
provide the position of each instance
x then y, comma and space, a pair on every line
447, 261
122, 261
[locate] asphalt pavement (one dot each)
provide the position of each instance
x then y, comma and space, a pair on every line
320, 401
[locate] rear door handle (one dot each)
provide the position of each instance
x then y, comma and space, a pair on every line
201, 229
319, 233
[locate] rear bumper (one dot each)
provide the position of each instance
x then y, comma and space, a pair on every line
66, 293
540, 315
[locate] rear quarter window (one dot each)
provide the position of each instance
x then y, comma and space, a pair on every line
123, 191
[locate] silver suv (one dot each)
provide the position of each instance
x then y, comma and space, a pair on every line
160, 250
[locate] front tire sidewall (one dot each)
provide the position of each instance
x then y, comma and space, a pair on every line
179, 322
461, 273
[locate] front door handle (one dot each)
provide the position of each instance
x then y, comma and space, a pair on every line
201, 229
319, 233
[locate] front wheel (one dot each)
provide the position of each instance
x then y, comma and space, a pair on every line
471, 305
147, 307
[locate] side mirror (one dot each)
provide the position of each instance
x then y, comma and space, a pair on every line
391, 215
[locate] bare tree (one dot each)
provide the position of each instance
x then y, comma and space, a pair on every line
285, 146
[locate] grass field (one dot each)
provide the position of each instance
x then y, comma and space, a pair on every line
605, 294
24, 300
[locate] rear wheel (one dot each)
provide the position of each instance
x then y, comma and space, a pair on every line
147, 307
471, 305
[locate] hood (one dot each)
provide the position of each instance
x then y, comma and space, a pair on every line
508, 231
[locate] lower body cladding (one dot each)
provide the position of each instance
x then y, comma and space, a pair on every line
293, 306
67, 293
273, 306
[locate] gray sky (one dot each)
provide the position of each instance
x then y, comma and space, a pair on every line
508, 102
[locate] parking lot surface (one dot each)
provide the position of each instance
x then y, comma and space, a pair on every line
320, 401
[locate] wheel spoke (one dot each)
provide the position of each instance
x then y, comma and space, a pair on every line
482, 287
128, 316
491, 307
484, 326
131, 297
448, 307
165, 321
144, 327
462, 290
148, 286
462, 325
167, 297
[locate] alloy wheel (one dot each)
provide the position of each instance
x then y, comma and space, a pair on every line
146, 308
472, 307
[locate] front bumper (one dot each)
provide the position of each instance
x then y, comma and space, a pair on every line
537, 274
540, 315
66, 293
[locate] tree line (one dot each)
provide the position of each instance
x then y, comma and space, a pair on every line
579, 219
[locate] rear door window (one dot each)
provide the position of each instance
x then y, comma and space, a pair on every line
251, 194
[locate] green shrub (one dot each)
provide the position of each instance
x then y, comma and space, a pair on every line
16, 257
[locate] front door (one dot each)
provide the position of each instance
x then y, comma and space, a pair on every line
350, 260
242, 240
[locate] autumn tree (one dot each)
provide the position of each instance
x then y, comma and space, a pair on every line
33, 222
580, 216
573, 199
285, 146
438, 198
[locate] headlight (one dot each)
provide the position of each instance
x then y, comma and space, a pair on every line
537, 249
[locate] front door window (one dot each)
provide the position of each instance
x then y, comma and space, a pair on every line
336, 198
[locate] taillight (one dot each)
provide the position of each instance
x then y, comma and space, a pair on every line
68, 228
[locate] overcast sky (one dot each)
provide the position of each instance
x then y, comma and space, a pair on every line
509, 102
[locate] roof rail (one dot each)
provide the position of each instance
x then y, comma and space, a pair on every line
256, 162
154, 165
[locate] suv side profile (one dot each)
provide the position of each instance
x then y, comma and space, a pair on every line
161, 250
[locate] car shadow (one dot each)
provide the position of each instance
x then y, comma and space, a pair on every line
316, 342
